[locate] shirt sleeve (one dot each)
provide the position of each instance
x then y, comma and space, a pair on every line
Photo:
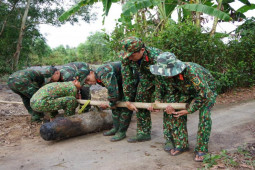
129, 81
203, 91
111, 83
159, 89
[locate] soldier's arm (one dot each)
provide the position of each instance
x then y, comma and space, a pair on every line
129, 82
159, 89
111, 83
204, 93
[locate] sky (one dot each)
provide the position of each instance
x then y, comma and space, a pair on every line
73, 35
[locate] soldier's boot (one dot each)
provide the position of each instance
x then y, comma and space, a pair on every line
114, 129
118, 136
121, 134
37, 117
168, 145
139, 138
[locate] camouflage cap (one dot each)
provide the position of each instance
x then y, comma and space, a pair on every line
82, 76
130, 45
69, 73
167, 65
48, 73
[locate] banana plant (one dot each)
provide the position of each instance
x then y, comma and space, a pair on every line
106, 7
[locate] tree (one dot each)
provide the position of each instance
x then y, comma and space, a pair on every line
19, 26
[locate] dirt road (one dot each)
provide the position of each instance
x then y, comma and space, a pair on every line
22, 148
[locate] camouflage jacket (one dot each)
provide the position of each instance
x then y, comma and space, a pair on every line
54, 90
109, 76
130, 69
33, 78
71, 70
195, 82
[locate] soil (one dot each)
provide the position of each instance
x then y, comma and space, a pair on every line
17, 129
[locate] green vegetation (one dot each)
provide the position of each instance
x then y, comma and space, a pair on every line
232, 64
241, 158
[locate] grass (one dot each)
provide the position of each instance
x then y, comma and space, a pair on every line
241, 158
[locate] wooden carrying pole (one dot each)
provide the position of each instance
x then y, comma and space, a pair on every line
140, 105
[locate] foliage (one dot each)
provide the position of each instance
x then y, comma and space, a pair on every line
95, 49
247, 28
40, 12
242, 157
207, 10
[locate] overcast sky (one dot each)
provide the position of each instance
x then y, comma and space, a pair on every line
73, 35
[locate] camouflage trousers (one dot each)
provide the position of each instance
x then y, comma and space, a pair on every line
121, 118
26, 92
175, 129
144, 93
68, 104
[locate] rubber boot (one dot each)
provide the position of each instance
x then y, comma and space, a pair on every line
110, 132
118, 136
114, 129
139, 138
37, 117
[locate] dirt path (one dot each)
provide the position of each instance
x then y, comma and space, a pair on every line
22, 147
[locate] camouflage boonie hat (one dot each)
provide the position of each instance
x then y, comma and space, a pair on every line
167, 65
130, 45
48, 73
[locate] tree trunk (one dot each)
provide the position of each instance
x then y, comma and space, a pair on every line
198, 15
5, 21
215, 22
21, 33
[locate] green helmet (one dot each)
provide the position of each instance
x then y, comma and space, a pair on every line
167, 65
131, 45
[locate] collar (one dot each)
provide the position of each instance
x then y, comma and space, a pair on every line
181, 77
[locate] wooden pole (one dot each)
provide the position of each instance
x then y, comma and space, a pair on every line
140, 105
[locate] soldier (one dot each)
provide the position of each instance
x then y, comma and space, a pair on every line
69, 71
183, 82
109, 76
137, 58
26, 82
58, 95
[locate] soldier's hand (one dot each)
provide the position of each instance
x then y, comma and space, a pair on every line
169, 109
180, 113
78, 96
130, 106
104, 106
152, 109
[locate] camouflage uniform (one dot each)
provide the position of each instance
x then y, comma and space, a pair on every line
55, 96
109, 76
141, 92
26, 82
70, 71
188, 81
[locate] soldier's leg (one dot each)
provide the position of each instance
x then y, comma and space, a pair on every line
115, 117
68, 104
85, 95
124, 121
204, 127
145, 90
35, 116
180, 133
167, 130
